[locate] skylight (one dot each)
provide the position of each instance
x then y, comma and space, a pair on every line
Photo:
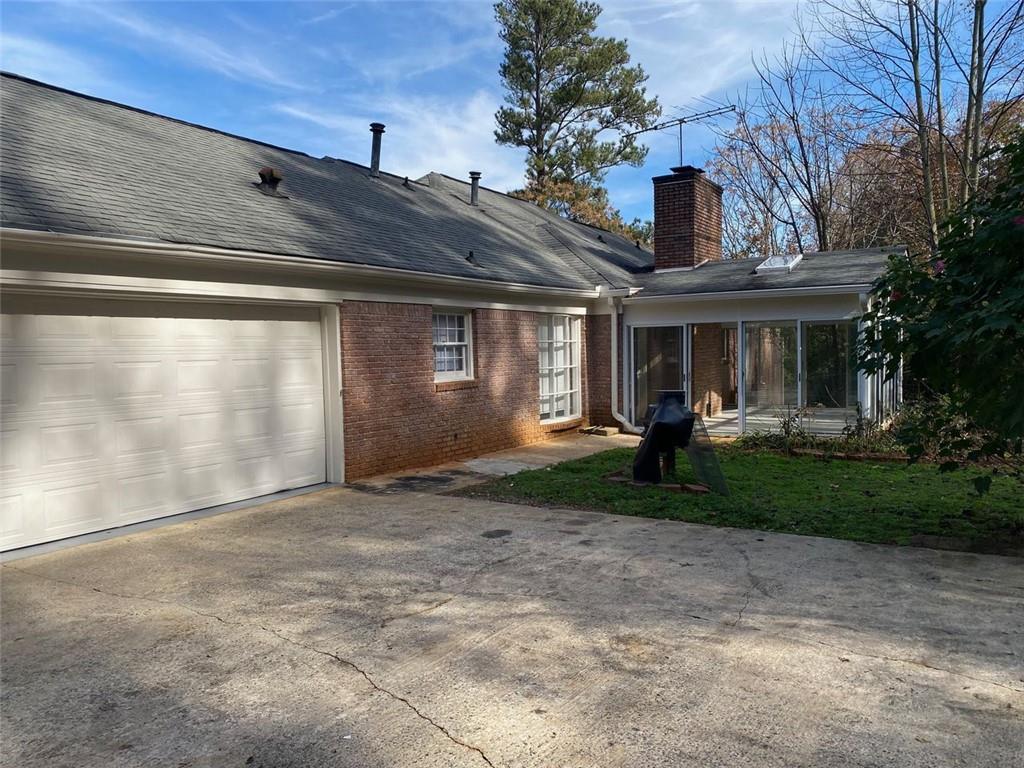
785, 262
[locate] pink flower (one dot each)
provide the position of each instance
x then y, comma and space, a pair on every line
896, 295
1019, 220
940, 266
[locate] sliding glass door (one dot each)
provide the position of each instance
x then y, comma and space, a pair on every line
830, 364
658, 356
770, 372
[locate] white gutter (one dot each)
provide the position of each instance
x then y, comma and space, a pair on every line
204, 253
626, 425
811, 290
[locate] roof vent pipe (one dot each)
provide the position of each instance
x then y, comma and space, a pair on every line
474, 189
377, 129
269, 179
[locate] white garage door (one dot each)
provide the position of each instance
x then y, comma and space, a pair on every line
118, 412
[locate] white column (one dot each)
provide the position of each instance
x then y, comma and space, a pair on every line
741, 375
800, 372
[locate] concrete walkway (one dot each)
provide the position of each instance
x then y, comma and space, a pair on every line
388, 627
457, 474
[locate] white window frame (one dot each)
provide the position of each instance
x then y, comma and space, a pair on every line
546, 325
467, 345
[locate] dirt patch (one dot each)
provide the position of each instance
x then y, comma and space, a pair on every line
433, 483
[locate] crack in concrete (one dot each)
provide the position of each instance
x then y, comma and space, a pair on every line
465, 593
460, 591
912, 662
746, 604
441, 603
280, 636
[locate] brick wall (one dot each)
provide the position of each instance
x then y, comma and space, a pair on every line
687, 219
396, 417
598, 337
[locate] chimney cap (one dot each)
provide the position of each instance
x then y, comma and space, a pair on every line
687, 170
377, 127
475, 174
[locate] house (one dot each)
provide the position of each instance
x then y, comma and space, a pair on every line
192, 318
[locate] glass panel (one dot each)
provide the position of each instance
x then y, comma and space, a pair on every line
560, 357
830, 364
713, 375
770, 370
545, 382
560, 380
560, 405
657, 354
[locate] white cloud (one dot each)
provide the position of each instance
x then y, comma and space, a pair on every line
449, 135
51, 63
697, 48
194, 48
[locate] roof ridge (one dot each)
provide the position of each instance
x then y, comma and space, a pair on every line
551, 230
510, 196
180, 121
150, 113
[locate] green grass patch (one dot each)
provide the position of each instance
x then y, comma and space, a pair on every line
886, 503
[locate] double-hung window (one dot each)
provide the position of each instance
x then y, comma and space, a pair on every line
453, 346
558, 338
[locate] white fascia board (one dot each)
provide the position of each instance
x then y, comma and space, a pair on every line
129, 287
760, 293
294, 264
22, 281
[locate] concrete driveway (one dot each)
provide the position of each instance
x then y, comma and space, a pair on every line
385, 627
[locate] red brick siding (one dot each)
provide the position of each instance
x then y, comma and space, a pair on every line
397, 418
687, 219
598, 336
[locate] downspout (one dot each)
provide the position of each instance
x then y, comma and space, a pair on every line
626, 425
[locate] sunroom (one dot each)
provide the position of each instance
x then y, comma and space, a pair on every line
751, 358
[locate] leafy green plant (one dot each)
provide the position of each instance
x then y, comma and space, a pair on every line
958, 319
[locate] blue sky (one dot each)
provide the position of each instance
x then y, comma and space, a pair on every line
312, 76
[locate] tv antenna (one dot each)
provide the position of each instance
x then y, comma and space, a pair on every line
679, 122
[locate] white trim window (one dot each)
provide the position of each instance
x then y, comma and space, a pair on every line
453, 346
558, 340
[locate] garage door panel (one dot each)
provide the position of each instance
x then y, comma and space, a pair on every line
143, 497
139, 378
140, 436
109, 420
73, 508
199, 376
298, 465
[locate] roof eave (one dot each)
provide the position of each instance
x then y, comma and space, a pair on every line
29, 238
813, 290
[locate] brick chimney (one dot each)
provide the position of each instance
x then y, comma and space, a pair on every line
687, 219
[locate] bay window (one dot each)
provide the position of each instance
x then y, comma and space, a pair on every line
558, 339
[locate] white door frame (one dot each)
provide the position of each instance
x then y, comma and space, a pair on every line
334, 418
629, 363
741, 375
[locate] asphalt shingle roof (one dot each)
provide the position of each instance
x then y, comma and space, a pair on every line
832, 268
73, 163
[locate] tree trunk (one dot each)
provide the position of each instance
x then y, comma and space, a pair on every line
979, 98
968, 183
922, 126
940, 111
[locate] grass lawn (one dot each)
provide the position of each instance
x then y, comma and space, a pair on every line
864, 501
